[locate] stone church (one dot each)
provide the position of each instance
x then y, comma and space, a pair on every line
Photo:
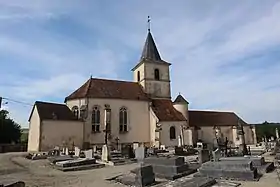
122, 112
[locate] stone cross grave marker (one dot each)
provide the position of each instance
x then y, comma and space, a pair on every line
88, 153
77, 151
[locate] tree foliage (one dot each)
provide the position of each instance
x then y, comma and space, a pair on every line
266, 129
9, 130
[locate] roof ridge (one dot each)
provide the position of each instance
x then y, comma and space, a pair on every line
44, 102
194, 110
115, 80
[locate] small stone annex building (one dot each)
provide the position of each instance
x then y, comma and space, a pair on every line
131, 112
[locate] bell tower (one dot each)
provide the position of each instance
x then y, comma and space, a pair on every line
152, 72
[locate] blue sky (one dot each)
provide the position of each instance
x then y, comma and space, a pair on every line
225, 55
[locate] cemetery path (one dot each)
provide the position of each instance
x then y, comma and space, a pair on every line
14, 167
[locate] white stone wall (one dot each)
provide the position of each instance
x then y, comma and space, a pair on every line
34, 132
164, 133
60, 133
138, 120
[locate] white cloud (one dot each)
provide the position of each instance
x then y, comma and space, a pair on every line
199, 39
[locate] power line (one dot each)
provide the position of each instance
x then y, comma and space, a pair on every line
16, 101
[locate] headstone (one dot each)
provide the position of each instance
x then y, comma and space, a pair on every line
94, 149
179, 151
216, 155
179, 141
135, 145
162, 147
240, 170
88, 153
169, 167
77, 151
199, 145
66, 151
203, 156
140, 154
144, 176
277, 133
63, 150
105, 153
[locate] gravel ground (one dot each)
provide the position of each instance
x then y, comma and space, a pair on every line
14, 167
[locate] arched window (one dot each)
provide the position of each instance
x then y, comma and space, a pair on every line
123, 119
172, 133
157, 74
95, 119
83, 112
75, 111
138, 76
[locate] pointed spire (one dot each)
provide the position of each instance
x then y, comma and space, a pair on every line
180, 99
150, 50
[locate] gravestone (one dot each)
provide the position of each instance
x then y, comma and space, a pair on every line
88, 153
179, 150
162, 147
257, 162
169, 167
63, 150
277, 133
135, 145
77, 151
105, 153
237, 170
179, 141
216, 155
140, 154
66, 151
203, 156
144, 176
94, 148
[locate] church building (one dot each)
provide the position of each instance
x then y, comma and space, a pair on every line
122, 112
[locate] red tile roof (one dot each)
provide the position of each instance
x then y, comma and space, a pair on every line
165, 111
213, 118
53, 111
113, 89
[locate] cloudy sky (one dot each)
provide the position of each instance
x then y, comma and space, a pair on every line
225, 55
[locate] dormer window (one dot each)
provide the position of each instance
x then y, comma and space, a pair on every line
156, 74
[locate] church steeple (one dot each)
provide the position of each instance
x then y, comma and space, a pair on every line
150, 51
151, 72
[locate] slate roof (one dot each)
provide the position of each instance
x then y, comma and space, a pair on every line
213, 118
150, 53
53, 111
150, 50
180, 99
164, 110
110, 89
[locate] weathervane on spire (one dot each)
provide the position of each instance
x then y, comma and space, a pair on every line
149, 23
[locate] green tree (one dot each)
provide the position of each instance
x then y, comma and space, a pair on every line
9, 130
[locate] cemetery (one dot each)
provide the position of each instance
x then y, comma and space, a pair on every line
137, 165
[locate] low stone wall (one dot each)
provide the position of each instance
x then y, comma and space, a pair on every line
4, 148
